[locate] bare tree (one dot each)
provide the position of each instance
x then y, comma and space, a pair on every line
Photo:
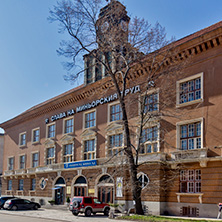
123, 48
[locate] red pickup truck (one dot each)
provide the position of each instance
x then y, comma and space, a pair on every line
88, 205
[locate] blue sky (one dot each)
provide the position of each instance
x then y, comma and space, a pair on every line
30, 70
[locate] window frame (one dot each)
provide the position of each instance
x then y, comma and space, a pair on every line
33, 185
89, 152
151, 142
21, 184
67, 156
50, 160
21, 139
33, 135
190, 180
20, 163
188, 79
13, 165
47, 130
84, 119
32, 155
9, 185
189, 122
64, 125
109, 112
112, 149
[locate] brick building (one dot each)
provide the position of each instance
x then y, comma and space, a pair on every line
60, 148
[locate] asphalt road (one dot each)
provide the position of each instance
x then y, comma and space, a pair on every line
14, 218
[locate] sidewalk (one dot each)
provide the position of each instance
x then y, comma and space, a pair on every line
58, 213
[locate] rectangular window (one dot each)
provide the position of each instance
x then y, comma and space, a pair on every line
22, 162
190, 136
50, 156
35, 160
21, 184
9, 184
33, 184
11, 163
51, 131
68, 153
149, 140
68, 126
90, 119
115, 144
190, 89
35, 135
190, 181
151, 103
115, 112
89, 149
22, 139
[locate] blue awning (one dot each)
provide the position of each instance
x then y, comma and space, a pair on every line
56, 188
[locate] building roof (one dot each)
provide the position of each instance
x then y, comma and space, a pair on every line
83, 91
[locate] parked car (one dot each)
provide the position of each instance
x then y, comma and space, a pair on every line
4, 199
88, 205
21, 204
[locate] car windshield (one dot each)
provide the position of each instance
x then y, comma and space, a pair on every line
77, 199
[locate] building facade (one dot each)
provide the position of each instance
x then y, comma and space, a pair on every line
62, 147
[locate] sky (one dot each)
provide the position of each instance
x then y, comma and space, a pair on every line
32, 72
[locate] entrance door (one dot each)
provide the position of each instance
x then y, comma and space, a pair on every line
105, 194
59, 196
79, 191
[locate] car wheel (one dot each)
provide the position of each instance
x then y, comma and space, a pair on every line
14, 207
75, 214
106, 212
88, 212
35, 207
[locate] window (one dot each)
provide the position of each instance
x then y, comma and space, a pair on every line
35, 159
68, 153
21, 184
89, 149
90, 119
22, 162
151, 103
11, 163
9, 184
190, 181
115, 144
143, 179
115, 112
149, 140
33, 184
22, 139
35, 135
190, 136
51, 131
50, 155
68, 126
190, 89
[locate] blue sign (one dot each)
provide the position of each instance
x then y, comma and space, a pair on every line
86, 163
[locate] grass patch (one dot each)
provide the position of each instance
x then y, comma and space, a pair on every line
159, 218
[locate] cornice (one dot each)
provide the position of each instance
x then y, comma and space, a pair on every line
192, 45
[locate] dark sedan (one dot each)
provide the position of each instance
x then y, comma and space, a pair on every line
21, 204
4, 199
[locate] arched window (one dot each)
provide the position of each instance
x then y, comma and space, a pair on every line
80, 186
105, 189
